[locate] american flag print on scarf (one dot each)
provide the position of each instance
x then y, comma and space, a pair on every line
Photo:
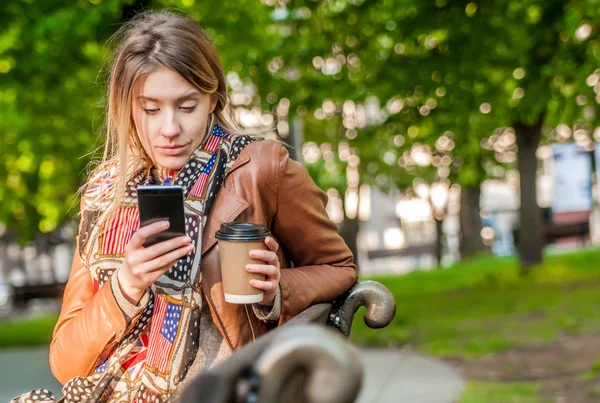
137, 357
102, 185
198, 189
163, 329
215, 139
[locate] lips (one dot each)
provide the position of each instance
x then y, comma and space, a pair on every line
173, 150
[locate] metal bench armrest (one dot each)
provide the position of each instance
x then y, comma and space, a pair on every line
294, 363
301, 361
379, 303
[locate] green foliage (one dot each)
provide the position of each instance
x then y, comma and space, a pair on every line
50, 54
468, 68
52, 87
482, 306
428, 67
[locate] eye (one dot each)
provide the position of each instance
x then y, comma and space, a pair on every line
188, 108
151, 111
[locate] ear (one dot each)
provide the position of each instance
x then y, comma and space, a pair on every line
213, 104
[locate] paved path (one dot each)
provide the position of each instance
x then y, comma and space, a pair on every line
390, 376
396, 376
22, 370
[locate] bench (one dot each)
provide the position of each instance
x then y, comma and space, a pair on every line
556, 231
308, 359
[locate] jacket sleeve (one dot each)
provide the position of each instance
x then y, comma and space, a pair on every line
89, 325
323, 264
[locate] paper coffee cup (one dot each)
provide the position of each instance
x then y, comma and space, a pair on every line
236, 240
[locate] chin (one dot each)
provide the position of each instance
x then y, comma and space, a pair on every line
172, 163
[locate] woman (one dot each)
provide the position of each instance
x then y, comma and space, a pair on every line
137, 323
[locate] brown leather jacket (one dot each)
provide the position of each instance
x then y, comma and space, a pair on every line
264, 186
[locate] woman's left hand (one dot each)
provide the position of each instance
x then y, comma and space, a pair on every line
271, 270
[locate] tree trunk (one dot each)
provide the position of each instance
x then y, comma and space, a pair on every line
530, 228
439, 240
349, 232
295, 139
470, 222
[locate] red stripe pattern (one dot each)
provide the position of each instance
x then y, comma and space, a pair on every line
198, 189
163, 329
215, 138
118, 230
212, 144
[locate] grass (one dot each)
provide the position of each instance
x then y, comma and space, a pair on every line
477, 307
482, 306
27, 332
593, 372
490, 392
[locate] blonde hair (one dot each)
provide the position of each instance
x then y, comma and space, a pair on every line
150, 41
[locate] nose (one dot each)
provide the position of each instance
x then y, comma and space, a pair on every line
170, 127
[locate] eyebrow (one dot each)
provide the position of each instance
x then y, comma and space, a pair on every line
189, 95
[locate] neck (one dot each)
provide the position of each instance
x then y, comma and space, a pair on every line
160, 174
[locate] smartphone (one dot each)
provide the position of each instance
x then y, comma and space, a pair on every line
158, 203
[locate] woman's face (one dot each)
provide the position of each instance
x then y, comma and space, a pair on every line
170, 117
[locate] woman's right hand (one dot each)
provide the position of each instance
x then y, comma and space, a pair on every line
143, 266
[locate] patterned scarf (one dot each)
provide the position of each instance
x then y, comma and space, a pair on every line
153, 357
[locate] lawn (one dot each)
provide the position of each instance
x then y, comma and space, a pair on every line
490, 392
27, 332
481, 307
476, 308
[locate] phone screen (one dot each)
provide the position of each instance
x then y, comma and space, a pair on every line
161, 202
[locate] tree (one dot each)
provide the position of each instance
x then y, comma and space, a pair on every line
454, 80
457, 67
51, 92
50, 54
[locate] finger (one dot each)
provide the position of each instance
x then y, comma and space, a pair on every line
161, 270
263, 285
265, 255
140, 236
142, 255
161, 261
164, 247
272, 244
268, 270
149, 277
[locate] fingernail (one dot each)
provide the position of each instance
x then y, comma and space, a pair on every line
165, 224
187, 239
252, 282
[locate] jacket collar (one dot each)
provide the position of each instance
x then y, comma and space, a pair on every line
242, 159
227, 207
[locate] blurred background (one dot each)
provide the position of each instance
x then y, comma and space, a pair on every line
458, 142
